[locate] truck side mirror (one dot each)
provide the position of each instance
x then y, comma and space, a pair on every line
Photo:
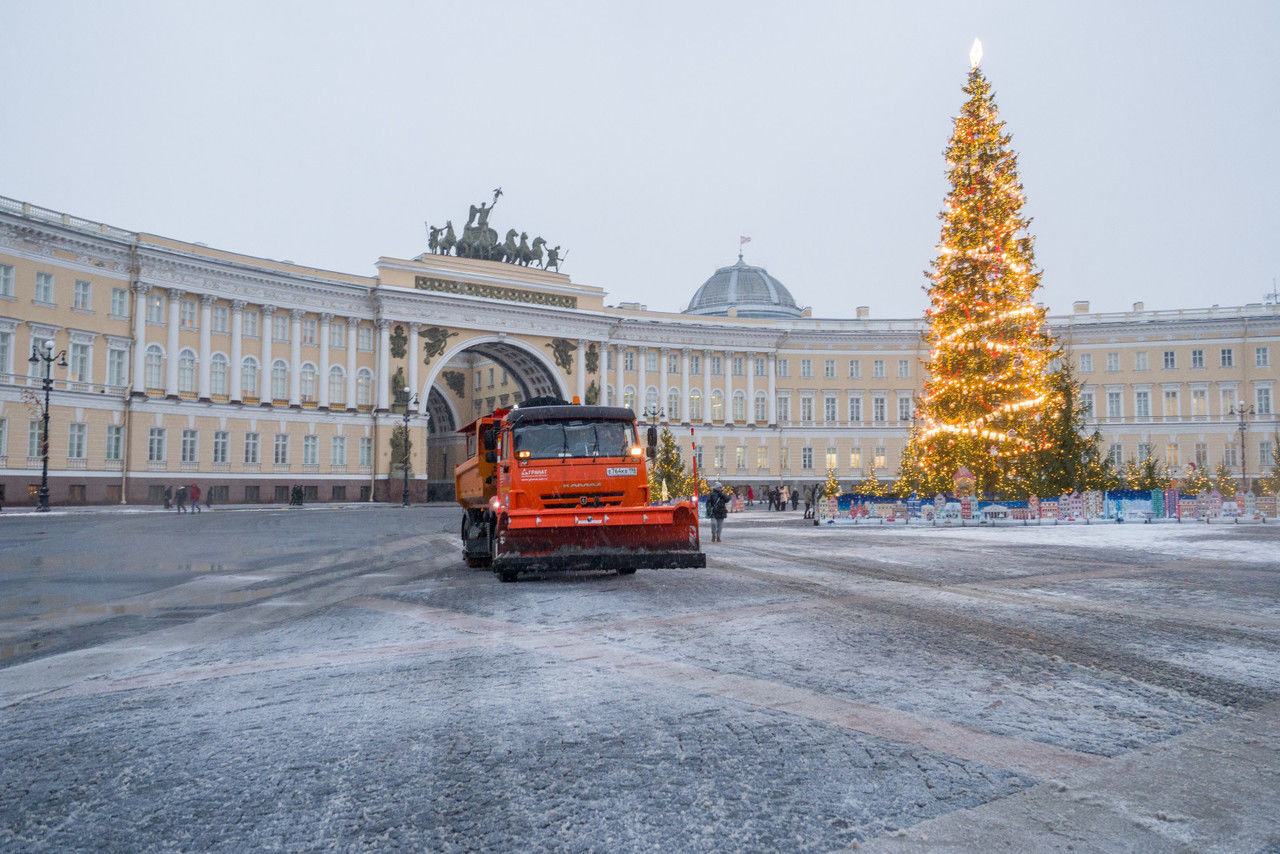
651, 452
490, 456
652, 437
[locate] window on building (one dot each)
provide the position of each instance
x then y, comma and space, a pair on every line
697, 455
806, 409
154, 367
1266, 456
155, 308
1171, 455
44, 288
249, 377
187, 314
904, 409
1199, 401
855, 460
279, 380
219, 319
695, 405
1197, 358
252, 448
628, 400
311, 450
307, 376
761, 366
717, 366
218, 370
280, 452
366, 452
1114, 406
877, 369
6, 357
364, 387
762, 458
739, 407
806, 459
1142, 404
855, 369
33, 438
1086, 402
1140, 361
1262, 400
364, 338
76, 441
761, 407
740, 457
337, 336
6, 280
880, 457
156, 445
784, 409
1086, 363
1202, 455
829, 369
309, 327
855, 408
279, 326
1170, 360
1116, 455
187, 372
1144, 451
673, 363
806, 368
81, 296
338, 451
1227, 357
221, 447
1229, 457
1262, 357
904, 369
249, 322
718, 455
1170, 404
190, 446
1113, 363
784, 367
878, 408
717, 405
115, 442
337, 386
119, 302
739, 366
829, 408
673, 404
650, 361
78, 364
628, 360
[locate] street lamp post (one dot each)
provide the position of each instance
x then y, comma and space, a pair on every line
48, 359
410, 401
1244, 411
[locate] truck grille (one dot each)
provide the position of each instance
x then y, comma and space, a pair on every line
564, 500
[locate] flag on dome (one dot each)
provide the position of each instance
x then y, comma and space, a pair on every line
743, 241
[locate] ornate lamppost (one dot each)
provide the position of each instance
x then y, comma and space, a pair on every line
48, 358
410, 401
1244, 411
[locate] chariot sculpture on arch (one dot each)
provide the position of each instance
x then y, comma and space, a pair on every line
479, 240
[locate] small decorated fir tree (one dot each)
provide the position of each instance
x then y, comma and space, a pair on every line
666, 469
832, 487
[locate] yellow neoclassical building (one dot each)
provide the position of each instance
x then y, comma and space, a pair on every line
185, 363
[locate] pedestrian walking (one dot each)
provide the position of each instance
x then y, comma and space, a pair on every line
716, 511
751, 497
195, 497
795, 499
168, 497
181, 498
808, 502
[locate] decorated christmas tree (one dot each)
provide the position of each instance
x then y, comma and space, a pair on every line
988, 389
666, 469
1224, 481
1197, 481
831, 488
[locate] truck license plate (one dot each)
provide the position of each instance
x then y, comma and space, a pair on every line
621, 471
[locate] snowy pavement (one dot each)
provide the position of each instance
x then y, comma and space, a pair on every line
336, 679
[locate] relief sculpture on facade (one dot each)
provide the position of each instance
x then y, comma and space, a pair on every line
434, 340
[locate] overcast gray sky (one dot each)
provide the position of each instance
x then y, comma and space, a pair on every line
646, 137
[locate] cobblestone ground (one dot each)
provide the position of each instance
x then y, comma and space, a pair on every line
338, 678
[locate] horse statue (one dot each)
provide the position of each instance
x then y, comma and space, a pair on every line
535, 253
508, 251
449, 240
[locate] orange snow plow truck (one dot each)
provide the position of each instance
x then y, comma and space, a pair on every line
552, 486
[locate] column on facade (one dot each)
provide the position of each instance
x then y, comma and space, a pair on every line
771, 368
581, 368
729, 385
206, 346
618, 399
322, 393
413, 368
382, 375
684, 385
353, 332
237, 350
140, 337
749, 362
664, 389
171, 363
706, 386
265, 392
295, 357
642, 379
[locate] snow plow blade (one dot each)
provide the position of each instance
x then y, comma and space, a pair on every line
651, 537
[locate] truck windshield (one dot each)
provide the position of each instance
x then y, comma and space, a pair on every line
574, 438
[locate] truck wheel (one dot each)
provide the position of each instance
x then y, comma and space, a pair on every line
508, 575
628, 570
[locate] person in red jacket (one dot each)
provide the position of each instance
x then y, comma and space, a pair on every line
194, 491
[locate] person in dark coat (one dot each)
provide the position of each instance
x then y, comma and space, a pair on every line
181, 498
168, 497
717, 510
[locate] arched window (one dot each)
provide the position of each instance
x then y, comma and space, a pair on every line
673, 404
308, 383
279, 380
629, 398
249, 377
695, 405
739, 406
337, 386
762, 407
155, 367
717, 405
218, 374
651, 400
187, 372
364, 387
